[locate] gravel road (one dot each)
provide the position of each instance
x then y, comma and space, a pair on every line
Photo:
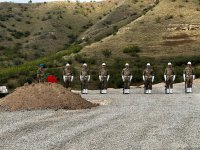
123, 122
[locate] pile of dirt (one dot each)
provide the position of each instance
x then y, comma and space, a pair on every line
44, 96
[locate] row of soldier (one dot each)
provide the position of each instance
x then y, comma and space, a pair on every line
148, 78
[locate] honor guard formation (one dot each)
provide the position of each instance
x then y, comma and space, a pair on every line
126, 74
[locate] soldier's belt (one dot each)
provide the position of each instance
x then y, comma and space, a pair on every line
148, 76
189, 75
170, 75
85, 76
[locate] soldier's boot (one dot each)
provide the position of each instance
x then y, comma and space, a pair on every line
127, 91
104, 91
146, 91
167, 91
190, 90
171, 91
149, 91
187, 90
83, 91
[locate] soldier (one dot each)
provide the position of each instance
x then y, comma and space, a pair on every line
169, 76
84, 78
126, 77
188, 77
68, 76
41, 73
103, 77
148, 78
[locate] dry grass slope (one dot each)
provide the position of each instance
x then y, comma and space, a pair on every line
171, 28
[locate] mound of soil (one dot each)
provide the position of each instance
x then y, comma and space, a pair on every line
44, 96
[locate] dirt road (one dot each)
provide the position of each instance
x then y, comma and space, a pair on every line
125, 122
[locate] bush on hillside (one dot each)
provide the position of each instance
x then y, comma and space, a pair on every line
133, 50
107, 53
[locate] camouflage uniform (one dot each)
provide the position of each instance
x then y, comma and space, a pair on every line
148, 75
189, 76
41, 75
170, 74
67, 76
126, 74
84, 76
104, 76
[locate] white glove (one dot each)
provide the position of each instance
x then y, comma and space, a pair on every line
165, 77
143, 78
64, 79
152, 78
72, 78
81, 77
131, 78
99, 78
88, 78
123, 78
184, 77
108, 77
193, 77
174, 77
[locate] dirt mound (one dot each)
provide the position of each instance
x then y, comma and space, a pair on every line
44, 96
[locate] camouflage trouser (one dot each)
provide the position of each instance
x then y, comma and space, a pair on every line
67, 82
84, 83
104, 83
41, 79
189, 82
126, 82
148, 84
169, 82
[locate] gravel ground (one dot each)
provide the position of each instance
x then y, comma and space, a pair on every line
123, 122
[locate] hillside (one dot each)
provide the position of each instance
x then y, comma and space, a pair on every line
26, 30
171, 28
150, 31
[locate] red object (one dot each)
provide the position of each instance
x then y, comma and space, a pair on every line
52, 79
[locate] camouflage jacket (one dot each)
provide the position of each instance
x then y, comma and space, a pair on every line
67, 72
40, 72
126, 72
169, 71
85, 72
103, 72
148, 72
188, 71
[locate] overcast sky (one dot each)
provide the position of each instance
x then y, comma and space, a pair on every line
25, 1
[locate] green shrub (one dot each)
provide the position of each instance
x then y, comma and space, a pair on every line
17, 35
11, 84
167, 17
133, 50
28, 22
107, 53
79, 58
